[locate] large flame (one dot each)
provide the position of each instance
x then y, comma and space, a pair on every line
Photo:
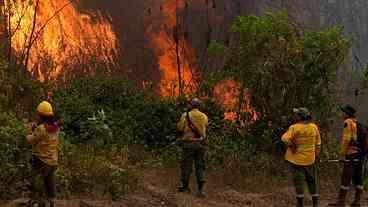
227, 93
63, 37
161, 34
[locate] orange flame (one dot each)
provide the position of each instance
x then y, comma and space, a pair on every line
227, 93
164, 45
64, 37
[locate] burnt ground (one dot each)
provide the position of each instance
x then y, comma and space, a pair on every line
159, 190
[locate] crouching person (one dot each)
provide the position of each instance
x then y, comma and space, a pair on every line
304, 143
44, 141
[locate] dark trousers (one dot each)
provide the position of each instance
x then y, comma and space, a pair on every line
302, 174
193, 152
352, 173
46, 173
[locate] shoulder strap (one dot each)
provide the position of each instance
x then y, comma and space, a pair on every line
192, 126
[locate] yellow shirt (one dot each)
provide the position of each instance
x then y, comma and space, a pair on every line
306, 138
349, 134
45, 146
199, 119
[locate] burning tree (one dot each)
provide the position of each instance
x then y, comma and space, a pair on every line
279, 66
168, 34
48, 38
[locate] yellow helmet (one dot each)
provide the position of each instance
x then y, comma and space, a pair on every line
45, 108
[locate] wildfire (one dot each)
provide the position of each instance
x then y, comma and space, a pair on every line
164, 45
63, 36
227, 93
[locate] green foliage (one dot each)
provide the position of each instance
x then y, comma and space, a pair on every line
17, 85
283, 67
86, 171
132, 115
77, 171
13, 155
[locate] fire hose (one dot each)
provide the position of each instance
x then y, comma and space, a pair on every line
336, 161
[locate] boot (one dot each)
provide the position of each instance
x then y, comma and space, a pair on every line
184, 188
299, 202
357, 198
315, 200
35, 203
50, 203
201, 194
340, 201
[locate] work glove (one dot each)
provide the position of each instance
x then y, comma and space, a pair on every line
293, 148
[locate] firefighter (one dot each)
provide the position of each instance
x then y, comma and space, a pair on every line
349, 156
44, 140
304, 143
193, 124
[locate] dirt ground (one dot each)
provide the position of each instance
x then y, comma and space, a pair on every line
159, 190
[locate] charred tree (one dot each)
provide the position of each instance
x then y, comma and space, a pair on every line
4, 32
177, 49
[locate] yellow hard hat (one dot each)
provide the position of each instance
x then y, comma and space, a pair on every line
45, 108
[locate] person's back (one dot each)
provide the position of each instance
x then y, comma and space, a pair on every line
45, 144
193, 124
304, 143
306, 138
198, 119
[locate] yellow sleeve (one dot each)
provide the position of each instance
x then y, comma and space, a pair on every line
288, 135
346, 137
204, 126
181, 123
37, 135
318, 138
206, 120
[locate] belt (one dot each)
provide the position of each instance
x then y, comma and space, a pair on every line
194, 140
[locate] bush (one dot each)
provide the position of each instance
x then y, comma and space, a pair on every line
14, 155
282, 66
83, 171
133, 115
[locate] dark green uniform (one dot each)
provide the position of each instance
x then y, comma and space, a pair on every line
193, 125
193, 152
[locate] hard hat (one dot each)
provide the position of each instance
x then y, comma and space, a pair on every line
349, 110
302, 112
45, 108
195, 102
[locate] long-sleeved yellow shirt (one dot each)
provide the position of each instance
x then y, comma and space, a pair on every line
306, 138
45, 146
199, 119
349, 134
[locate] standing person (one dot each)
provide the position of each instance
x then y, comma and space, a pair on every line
193, 124
44, 141
304, 143
350, 157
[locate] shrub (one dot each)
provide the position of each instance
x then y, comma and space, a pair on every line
14, 155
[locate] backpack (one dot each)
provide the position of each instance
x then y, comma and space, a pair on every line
362, 139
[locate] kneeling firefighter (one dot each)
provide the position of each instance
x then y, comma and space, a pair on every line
304, 143
193, 125
44, 141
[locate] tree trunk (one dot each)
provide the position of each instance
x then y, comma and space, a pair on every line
4, 33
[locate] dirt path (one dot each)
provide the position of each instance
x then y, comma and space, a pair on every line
159, 190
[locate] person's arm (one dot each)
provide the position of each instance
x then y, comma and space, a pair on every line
346, 138
181, 123
288, 138
318, 143
35, 137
